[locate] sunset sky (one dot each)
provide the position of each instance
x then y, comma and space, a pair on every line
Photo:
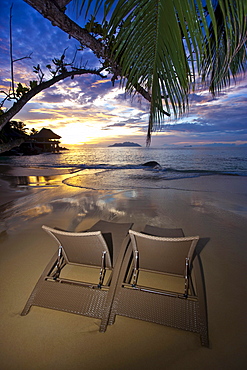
89, 110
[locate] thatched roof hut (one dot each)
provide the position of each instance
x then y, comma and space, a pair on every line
44, 141
45, 134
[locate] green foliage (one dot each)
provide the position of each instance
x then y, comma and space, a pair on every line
59, 65
33, 131
94, 27
228, 44
13, 130
33, 84
21, 90
97, 28
39, 72
36, 69
164, 45
100, 31
18, 125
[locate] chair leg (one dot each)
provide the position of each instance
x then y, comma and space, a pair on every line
124, 257
30, 300
27, 307
201, 294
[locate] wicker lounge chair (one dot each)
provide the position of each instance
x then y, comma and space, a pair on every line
92, 250
173, 256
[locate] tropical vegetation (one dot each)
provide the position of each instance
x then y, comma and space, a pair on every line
162, 49
170, 46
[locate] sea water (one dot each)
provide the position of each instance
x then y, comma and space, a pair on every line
112, 167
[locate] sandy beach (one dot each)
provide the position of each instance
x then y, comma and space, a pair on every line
213, 207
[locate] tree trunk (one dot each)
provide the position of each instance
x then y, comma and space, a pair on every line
56, 15
52, 10
10, 145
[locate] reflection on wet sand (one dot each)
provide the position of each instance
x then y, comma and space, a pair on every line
207, 209
16, 181
74, 205
50, 194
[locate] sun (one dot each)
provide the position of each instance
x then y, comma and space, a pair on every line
77, 133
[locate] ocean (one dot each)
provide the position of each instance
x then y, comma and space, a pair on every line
114, 167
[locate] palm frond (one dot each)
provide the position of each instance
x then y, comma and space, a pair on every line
228, 52
159, 45
163, 45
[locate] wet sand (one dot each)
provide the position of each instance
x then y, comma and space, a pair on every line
212, 207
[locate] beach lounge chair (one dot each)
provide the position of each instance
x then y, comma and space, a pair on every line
92, 250
137, 294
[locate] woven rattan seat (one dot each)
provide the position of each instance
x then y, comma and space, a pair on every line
92, 251
158, 257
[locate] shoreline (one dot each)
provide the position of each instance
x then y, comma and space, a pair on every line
8, 193
213, 208
21, 181
226, 192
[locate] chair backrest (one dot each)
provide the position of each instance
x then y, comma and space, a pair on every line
161, 254
84, 248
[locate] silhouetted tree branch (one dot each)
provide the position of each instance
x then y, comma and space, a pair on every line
28, 95
54, 11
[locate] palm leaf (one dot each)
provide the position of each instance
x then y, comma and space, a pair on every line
229, 50
163, 45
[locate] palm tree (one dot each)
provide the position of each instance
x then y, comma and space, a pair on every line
34, 131
170, 46
18, 125
161, 48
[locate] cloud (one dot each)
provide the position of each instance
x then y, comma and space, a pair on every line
94, 105
117, 125
51, 97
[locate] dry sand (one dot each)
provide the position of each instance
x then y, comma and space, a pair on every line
213, 207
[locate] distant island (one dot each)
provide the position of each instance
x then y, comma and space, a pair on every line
126, 143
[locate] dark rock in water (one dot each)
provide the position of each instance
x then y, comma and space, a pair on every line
152, 164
